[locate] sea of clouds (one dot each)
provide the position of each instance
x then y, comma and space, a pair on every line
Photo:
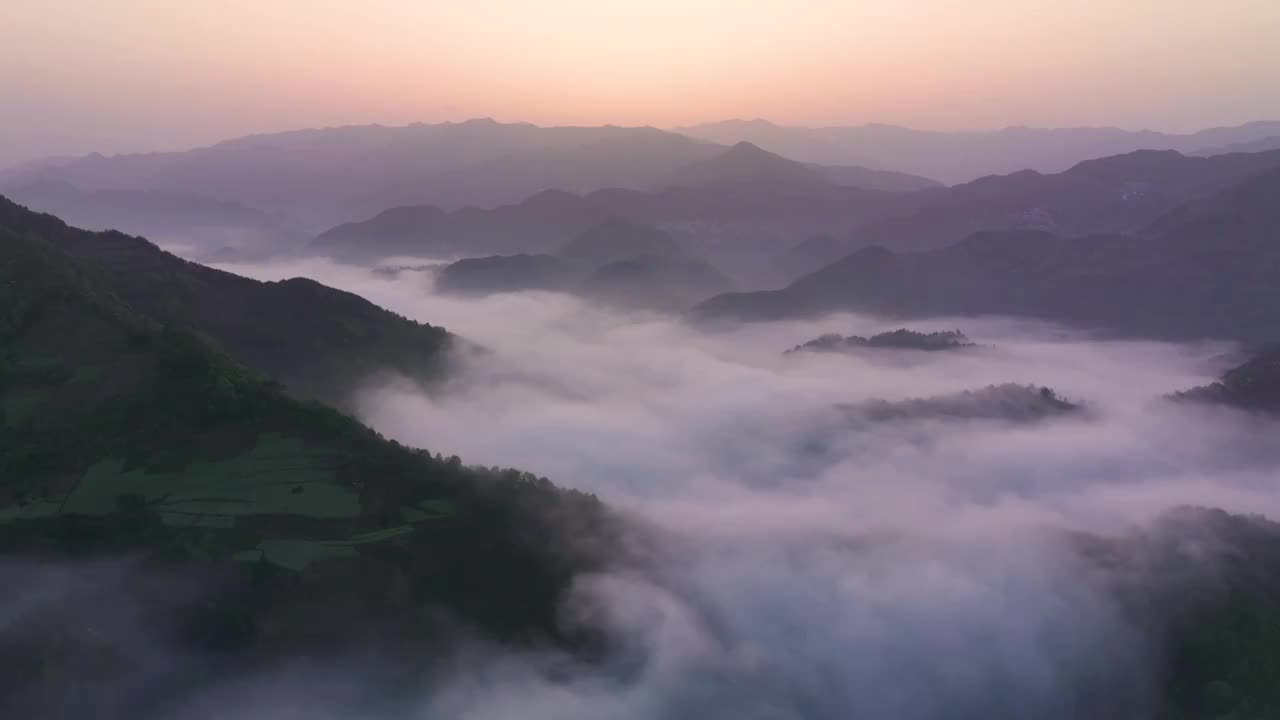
800, 559
812, 563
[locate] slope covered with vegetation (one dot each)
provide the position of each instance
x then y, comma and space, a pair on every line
1253, 385
1109, 195
1210, 269
302, 528
900, 339
1205, 585
318, 341
617, 239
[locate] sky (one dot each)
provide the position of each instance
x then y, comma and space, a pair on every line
133, 75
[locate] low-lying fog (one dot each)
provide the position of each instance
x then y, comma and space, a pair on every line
819, 560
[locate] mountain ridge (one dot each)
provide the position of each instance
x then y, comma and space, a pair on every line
325, 176
1115, 194
1209, 269
961, 156
319, 341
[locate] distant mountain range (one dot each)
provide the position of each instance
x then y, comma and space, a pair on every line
746, 164
198, 224
323, 177
1120, 194
1271, 142
767, 220
619, 263
262, 194
957, 157
735, 209
618, 239
1210, 269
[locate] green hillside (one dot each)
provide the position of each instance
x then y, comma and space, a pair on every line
122, 435
318, 341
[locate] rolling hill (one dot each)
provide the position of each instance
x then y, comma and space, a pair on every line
960, 157
323, 177
1210, 269
1120, 194
506, 273
1262, 144
330, 175
1252, 385
320, 342
735, 227
669, 284
199, 225
617, 239
619, 263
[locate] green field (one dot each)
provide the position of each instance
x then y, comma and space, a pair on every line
279, 476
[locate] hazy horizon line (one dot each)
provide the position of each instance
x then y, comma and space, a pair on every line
674, 129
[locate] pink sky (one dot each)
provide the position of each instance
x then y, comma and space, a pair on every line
122, 75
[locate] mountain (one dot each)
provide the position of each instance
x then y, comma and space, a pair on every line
618, 239
266, 528
959, 157
867, 178
634, 158
1253, 385
326, 176
201, 225
1210, 269
506, 273
1203, 583
618, 262
736, 228
900, 339
314, 179
322, 177
668, 284
540, 224
748, 165
1120, 194
1009, 402
1271, 142
319, 341
745, 164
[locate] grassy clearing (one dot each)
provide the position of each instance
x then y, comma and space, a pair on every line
279, 476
